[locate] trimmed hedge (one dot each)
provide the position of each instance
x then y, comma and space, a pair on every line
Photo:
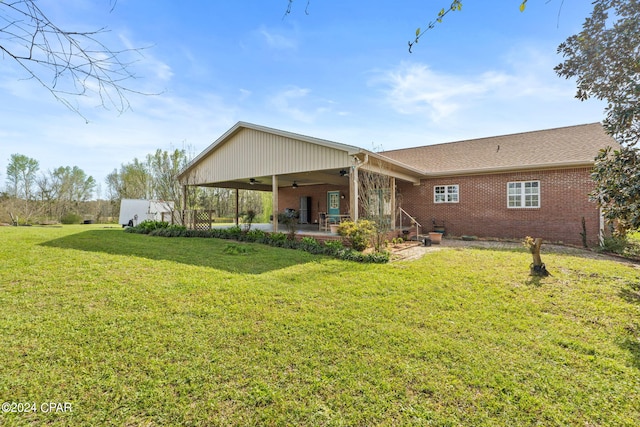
332, 248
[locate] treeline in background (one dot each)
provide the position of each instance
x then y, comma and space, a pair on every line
68, 195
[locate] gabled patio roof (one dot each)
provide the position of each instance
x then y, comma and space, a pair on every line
249, 156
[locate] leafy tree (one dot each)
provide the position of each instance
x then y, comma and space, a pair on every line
74, 184
617, 174
67, 63
164, 168
132, 181
64, 189
605, 59
21, 176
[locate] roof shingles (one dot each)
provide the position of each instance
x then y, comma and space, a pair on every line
551, 148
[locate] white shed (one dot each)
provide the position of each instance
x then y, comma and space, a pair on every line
134, 211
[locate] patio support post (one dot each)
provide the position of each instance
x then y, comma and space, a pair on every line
274, 195
184, 205
354, 184
353, 193
392, 189
237, 206
601, 235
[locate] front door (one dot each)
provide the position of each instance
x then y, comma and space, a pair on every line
333, 205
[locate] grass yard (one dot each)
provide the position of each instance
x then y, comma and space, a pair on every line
135, 330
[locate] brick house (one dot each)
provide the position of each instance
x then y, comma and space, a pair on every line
534, 183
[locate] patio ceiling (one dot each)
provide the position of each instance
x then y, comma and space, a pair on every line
265, 182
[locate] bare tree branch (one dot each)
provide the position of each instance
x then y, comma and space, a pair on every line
290, 6
69, 64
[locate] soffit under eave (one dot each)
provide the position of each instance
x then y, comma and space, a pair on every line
382, 165
509, 169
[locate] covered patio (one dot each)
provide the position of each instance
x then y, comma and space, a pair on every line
325, 182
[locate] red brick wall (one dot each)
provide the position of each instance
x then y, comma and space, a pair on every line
482, 208
290, 198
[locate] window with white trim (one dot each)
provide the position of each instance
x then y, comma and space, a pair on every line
445, 194
524, 194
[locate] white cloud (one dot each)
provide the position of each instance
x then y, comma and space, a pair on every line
523, 81
140, 57
277, 41
293, 103
417, 89
244, 94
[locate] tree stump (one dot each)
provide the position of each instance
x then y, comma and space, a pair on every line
537, 267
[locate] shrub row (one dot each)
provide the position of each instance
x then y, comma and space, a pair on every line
331, 248
147, 226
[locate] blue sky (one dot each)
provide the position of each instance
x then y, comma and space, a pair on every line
341, 72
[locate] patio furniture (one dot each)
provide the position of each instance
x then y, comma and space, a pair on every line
322, 221
325, 221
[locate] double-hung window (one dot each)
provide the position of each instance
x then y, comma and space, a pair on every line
445, 194
524, 194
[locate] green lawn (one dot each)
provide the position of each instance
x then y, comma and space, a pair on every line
146, 331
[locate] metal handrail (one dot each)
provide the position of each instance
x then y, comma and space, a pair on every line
418, 226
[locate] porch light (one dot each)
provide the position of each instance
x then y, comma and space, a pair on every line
295, 184
252, 181
343, 172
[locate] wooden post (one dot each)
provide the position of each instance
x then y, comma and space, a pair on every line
353, 194
392, 188
185, 199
